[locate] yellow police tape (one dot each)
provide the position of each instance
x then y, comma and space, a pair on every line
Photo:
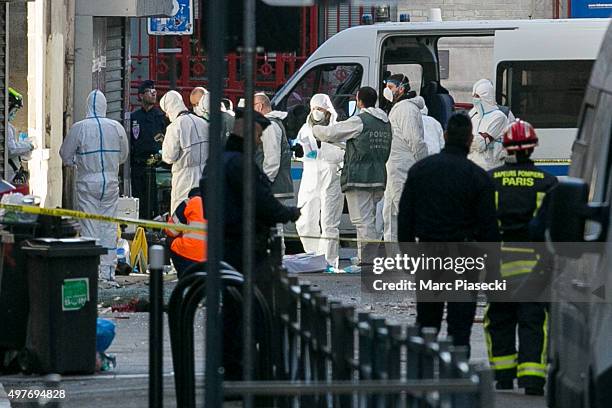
61, 212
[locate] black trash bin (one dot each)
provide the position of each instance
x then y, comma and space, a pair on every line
13, 287
63, 288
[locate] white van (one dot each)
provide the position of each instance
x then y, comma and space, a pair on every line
540, 69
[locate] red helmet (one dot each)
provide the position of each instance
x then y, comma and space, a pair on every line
520, 135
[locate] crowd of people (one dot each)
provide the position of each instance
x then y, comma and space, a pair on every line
394, 165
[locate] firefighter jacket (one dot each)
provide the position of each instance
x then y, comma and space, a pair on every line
520, 188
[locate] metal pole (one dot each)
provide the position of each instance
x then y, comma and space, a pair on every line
214, 196
156, 328
172, 69
248, 203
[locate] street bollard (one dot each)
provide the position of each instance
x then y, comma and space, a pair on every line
156, 328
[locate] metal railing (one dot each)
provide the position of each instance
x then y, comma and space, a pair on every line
323, 353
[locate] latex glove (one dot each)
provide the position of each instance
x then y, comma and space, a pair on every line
312, 154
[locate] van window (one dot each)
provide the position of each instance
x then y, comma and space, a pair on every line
548, 94
339, 81
469, 60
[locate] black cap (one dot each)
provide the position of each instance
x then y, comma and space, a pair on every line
259, 118
147, 84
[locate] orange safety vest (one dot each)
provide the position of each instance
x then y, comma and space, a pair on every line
190, 244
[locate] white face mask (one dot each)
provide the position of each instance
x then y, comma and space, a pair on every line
317, 115
478, 105
388, 94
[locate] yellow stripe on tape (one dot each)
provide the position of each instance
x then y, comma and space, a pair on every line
61, 212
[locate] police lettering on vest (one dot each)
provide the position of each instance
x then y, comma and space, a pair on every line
366, 155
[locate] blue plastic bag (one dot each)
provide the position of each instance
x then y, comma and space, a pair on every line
105, 333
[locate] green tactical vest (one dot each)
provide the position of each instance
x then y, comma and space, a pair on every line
282, 187
366, 156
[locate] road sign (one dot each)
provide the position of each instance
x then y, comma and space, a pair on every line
591, 8
180, 22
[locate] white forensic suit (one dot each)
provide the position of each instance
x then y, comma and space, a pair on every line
320, 196
271, 140
407, 147
432, 129
17, 150
487, 118
361, 202
202, 109
185, 147
97, 146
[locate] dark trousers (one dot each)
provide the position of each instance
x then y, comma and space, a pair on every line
148, 206
459, 318
501, 323
180, 263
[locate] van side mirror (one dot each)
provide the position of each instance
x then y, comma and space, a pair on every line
568, 213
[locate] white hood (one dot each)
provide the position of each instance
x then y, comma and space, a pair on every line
96, 104
484, 89
420, 103
172, 104
277, 115
377, 113
323, 101
203, 107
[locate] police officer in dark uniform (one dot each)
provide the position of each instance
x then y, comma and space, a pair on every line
448, 199
148, 125
520, 189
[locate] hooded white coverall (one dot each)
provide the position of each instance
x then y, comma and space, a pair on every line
361, 202
487, 118
16, 149
97, 146
202, 109
271, 140
432, 129
320, 196
185, 147
407, 147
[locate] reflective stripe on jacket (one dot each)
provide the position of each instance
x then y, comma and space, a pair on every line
189, 244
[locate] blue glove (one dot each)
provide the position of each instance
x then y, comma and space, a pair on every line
312, 154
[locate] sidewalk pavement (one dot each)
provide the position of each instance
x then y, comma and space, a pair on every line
127, 385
